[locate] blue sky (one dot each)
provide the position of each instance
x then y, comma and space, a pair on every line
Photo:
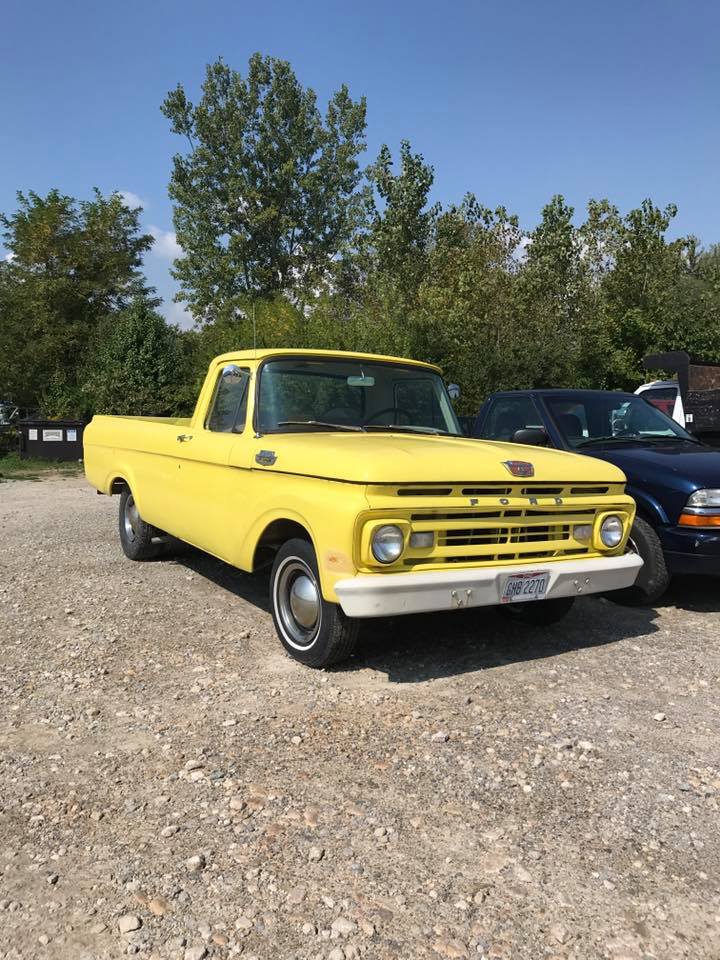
513, 100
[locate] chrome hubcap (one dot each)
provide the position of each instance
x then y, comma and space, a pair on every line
131, 519
304, 601
298, 602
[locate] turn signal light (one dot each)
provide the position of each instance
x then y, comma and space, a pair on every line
699, 520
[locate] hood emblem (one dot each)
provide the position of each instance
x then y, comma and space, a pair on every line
266, 458
519, 468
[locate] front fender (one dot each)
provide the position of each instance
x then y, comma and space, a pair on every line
648, 506
326, 509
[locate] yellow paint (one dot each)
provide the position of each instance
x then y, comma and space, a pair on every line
210, 492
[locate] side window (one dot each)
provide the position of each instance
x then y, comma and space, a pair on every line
509, 414
229, 405
572, 419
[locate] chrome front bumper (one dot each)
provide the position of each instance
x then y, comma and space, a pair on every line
392, 594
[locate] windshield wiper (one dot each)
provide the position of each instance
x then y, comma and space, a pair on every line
675, 439
320, 423
395, 427
591, 440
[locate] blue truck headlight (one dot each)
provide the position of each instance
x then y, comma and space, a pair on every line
705, 498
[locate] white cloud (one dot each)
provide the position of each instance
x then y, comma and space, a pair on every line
177, 313
9, 257
165, 245
131, 200
521, 250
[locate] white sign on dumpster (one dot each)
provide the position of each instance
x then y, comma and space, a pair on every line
71, 435
52, 435
32, 434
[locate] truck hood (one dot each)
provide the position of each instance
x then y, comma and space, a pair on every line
406, 458
682, 466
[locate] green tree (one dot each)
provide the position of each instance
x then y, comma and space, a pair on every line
401, 221
267, 196
552, 299
138, 366
72, 264
373, 302
646, 292
465, 319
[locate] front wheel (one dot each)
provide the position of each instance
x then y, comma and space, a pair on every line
653, 578
538, 613
313, 631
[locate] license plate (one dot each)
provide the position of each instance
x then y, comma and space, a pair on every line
520, 587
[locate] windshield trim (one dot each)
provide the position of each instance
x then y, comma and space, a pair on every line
340, 357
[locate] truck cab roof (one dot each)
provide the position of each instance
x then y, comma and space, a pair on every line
264, 353
559, 392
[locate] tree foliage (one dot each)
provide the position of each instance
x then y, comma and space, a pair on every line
71, 264
138, 366
266, 196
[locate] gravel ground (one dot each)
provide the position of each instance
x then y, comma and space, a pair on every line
174, 787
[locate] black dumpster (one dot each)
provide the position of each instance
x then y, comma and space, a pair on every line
51, 439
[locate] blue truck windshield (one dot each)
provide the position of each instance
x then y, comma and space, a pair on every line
603, 418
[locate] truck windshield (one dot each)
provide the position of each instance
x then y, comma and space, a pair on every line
301, 394
604, 418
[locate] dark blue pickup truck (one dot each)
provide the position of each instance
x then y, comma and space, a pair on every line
673, 477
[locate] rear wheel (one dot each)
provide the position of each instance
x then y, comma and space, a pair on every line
313, 631
653, 578
538, 613
136, 536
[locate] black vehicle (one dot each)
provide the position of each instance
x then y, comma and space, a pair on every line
673, 477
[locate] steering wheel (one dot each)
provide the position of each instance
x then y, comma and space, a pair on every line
380, 413
339, 415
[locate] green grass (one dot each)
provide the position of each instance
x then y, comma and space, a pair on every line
13, 468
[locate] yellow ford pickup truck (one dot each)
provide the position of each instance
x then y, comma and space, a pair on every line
348, 475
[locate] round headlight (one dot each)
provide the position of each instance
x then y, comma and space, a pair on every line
611, 531
387, 543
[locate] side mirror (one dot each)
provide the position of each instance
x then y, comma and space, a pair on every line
453, 391
533, 436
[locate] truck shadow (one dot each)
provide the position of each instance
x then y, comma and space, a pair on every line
251, 587
695, 594
430, 647
419, 648
425, 647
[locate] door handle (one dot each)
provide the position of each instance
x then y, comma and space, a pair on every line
182, 437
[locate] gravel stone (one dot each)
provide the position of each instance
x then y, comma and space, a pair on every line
129, 922
343, 927
198, 952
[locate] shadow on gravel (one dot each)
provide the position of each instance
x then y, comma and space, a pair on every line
251, 587
431, 646
696, 594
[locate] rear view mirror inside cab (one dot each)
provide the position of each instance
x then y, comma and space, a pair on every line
362, 381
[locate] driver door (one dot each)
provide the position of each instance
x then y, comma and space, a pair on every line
212, 493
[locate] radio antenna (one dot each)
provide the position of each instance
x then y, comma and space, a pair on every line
254, 330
